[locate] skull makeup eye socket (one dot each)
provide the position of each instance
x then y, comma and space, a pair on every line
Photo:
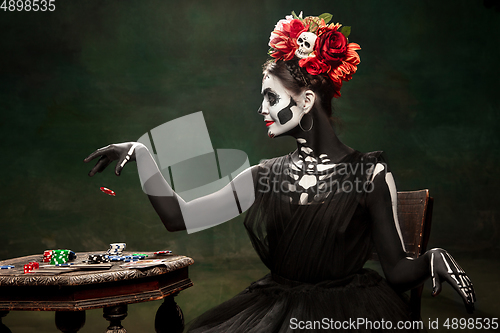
307, 44
300, 40
273, 99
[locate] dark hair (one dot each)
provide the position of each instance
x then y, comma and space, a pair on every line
296, 79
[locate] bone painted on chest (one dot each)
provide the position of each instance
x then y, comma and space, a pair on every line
307, 175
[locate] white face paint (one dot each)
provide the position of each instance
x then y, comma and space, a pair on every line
280, 110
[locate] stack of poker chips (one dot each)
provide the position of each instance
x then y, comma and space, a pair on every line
47, 255
98, 258
116, 249
31, 266
55, 257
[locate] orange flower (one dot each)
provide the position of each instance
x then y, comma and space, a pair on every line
284, 41
344, 71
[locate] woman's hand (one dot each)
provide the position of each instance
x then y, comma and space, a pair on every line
123, 152
445, 268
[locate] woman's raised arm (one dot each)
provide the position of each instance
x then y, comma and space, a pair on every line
176, 214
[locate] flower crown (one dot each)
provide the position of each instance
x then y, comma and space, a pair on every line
323, 49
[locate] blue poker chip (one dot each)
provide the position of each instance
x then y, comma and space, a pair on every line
116, 258
134, 257
7, 267
64, 265
130, 260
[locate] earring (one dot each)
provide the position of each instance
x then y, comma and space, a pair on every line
300, 121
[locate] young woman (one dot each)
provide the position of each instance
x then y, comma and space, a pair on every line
316, 212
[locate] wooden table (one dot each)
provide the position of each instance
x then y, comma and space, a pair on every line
71, 293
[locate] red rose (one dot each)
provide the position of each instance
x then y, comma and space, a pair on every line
331, 47
295, 28
314, 66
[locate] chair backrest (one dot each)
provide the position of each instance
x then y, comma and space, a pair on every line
415, 217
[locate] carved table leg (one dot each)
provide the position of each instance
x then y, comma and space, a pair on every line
70, 321
169, 317
115, 314
3, 328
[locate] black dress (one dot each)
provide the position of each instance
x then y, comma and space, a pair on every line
315, 253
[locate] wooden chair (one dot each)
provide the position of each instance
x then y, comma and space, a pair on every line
415, 217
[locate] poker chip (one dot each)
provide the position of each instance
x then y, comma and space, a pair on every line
7, 267
47, 255
163, 252
114, 253
65, 265
61, 252
108, 191
98, 258
116, 248
130, 260
140, 255
58, 261
134, 257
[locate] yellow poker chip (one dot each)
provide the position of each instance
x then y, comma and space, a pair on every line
108, 191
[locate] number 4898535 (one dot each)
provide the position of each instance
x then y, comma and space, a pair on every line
28, 5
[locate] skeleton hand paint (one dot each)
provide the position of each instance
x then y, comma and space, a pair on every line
445, 268
123, 152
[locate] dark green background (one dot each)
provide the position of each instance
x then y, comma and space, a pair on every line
98, 72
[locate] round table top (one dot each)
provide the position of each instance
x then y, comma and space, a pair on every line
39, 277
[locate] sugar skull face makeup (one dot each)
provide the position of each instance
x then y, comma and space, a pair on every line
280, 110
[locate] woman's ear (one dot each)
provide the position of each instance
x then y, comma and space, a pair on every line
309, 99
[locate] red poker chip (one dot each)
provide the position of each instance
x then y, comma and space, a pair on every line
108, 191
166, 252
